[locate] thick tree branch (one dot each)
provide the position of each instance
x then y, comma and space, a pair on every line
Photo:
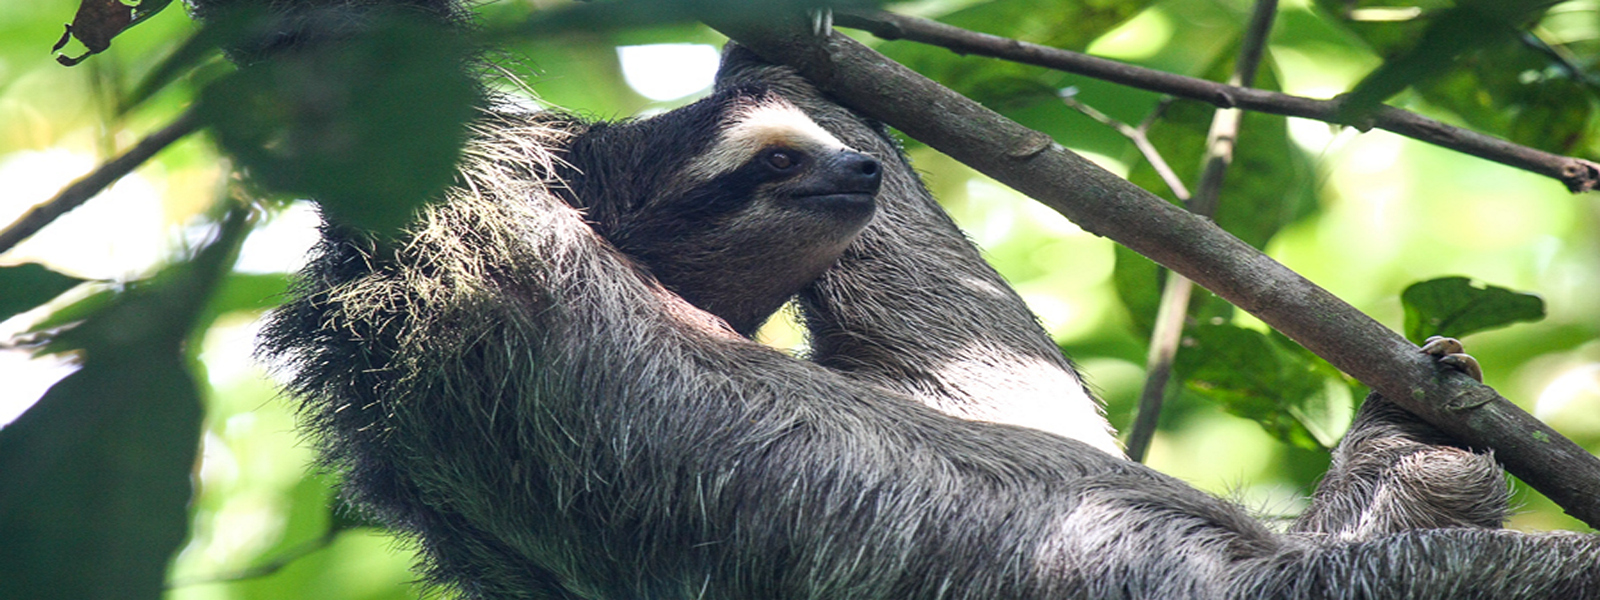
1107, 205
1579, 175
88, 186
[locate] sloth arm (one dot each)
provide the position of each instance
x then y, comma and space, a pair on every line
914, 307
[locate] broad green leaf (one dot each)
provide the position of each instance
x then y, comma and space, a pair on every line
95, 478
1257, 377
1457, 306
247, 292
1449, 34
371, 129
29, 285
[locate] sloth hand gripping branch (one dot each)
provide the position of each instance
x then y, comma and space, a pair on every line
913, 307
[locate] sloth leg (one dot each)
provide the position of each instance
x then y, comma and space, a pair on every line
1395, 472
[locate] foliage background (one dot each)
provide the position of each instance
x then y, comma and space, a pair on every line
1363, 215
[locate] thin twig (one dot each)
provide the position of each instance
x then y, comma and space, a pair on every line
278, 563
1175, 293
1579, 175
1141, 141
88, 186
1106, 205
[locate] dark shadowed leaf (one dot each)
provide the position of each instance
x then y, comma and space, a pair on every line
1500, 80
95, 477
1458, 306
370, 129
1268, 379
1449, 34
29, 285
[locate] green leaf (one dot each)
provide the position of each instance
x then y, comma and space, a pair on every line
193, 52
1269, 185
1293, 396
29, 285
1458, 306
371, 129
1497, 79
247, 292
1450, 33
94, 480
95, 477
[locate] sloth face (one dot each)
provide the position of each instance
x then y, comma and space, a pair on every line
734, 203
771, 163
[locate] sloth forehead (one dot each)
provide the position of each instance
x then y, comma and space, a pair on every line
754, 127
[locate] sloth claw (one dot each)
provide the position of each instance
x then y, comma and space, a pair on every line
1450, 353
822, 22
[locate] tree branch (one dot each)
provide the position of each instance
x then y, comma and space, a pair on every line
1107, 205
1579, 175
88, 186
1177, 290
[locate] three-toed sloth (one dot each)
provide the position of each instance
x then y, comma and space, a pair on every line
544, 387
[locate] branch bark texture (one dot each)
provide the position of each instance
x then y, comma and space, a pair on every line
1106, 205
1577, 174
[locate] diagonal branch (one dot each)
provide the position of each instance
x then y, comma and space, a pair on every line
1579, 175
88, 186
1107, 205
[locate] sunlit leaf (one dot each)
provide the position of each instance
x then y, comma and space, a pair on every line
1458, 306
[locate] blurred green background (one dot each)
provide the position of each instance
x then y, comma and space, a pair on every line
1362, 214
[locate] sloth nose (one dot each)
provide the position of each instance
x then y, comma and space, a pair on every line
861, 172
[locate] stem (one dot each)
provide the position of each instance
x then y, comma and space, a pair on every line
1175, 293
88, 186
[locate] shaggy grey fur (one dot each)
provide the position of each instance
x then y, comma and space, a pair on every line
511, 392
914, 308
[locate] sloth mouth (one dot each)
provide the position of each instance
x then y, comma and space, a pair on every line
848, 204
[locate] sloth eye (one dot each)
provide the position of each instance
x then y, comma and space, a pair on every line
782, 160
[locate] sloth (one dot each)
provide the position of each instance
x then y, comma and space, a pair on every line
1391, 473
516, 390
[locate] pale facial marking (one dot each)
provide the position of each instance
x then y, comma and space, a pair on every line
769, 123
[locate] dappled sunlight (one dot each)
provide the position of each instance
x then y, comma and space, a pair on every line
117, 235
668, 71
